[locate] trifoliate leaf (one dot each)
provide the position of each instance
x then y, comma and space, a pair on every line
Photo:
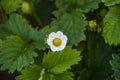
115, 63
30, 73
64, 76
16, 54
72, 24
57, 62
111, 2
34, 73
111, 26
11, 5
19, 26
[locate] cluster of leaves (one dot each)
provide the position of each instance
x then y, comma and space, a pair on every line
111, 29
54, 66
22, 43
18, 45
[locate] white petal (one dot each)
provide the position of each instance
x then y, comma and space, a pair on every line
61, 48
63, 45
53, 48
52, 35
49, 41
64, 38
59, 33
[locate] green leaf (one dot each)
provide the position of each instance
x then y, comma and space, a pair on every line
17, 53
62, 3
11, 5
30, 73
4, 32
61, 76
57, 62
65, 76
19, 26
115, 63
65, 4
72, 24
87, 5
0, 44
98, 57
95, 60
33, 73
111, 2
41, 43
111, 26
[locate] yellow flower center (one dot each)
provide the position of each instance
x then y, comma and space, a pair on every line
57, 42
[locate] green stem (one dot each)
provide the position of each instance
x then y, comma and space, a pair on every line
34, 13
41, 74
1, 11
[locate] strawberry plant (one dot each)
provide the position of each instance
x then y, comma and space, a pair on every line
59, 39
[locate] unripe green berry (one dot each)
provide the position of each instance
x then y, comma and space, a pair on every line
26, 7
92, 24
